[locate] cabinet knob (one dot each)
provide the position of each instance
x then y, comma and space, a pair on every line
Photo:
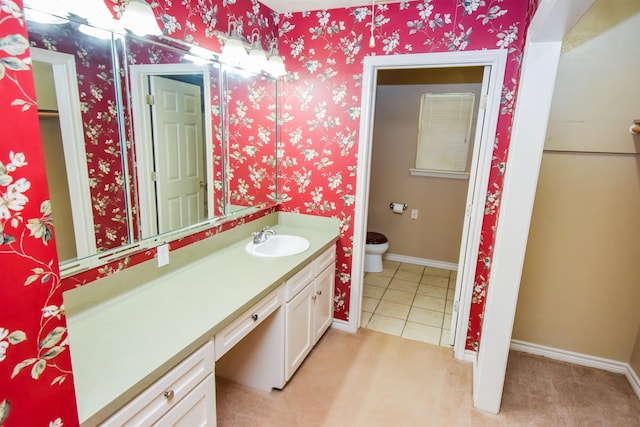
168, 394
314, 297
254, 317
319, 292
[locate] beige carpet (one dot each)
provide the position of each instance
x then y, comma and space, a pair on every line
372, 379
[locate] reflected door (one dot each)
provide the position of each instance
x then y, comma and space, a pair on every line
179, 153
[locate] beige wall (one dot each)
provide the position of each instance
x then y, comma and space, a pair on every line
580, 287
437, 232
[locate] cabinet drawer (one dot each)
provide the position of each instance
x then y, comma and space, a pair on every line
164, 394
244, 324
198, 408
299, 281
324, 260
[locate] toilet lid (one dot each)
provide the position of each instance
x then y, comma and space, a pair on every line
374, 238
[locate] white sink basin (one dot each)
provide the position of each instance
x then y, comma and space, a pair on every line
278, 245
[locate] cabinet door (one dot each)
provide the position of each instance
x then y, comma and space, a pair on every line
299, 338
197, 409
323, 301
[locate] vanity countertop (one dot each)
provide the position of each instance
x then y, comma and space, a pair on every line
122, 345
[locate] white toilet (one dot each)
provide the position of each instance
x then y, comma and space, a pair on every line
375, 246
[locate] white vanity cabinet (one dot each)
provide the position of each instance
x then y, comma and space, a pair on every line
184, 396
308, 308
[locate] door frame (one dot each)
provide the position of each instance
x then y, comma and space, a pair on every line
73, 144
143, 137
478, 179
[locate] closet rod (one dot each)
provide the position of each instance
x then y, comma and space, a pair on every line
608, 153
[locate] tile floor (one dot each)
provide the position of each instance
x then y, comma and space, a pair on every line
411, 301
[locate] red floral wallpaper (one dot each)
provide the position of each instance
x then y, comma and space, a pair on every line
323, 51
250, 141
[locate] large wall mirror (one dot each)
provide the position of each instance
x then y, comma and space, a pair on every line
144, 140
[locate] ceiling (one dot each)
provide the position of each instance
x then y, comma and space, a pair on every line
284, 6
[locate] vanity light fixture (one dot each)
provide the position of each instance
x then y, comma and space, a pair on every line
275, 65
233, 52
257, 59
138, 17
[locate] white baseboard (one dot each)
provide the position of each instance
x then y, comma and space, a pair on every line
580, 359
341, 325
470, 356
421, 261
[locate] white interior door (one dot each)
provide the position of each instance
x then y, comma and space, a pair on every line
464, 263
179, 153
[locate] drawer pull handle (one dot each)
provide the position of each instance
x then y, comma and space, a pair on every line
319, 292
254, 317
168, 394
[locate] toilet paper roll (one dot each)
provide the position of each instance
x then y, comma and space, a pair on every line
398, 208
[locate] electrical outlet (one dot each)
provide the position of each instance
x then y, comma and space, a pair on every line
163, 255
414, 213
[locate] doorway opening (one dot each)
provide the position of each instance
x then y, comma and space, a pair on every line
418, 109
493, 63
173, 145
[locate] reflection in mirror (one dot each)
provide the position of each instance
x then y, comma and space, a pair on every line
77, 95
250, 139
177, 132
133, 166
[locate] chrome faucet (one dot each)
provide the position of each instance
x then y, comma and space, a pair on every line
261, 236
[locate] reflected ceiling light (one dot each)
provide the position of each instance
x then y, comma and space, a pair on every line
275, 65
138, 17
233, 52
94, 31
201, 52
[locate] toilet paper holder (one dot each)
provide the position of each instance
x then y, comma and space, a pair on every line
392, 204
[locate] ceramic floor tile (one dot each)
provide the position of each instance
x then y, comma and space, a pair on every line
451, 294
433, 291
373, 291
432, 271
364, 319
413, 268
430, 303
419, 332
400, 297
444, 338
452, 283
454, 274
369, 304
391, 265
441, 282
449, 307
387, 272
375, 279
403, 285
426, 317
446, 323
385, 324
393, 309
408, 276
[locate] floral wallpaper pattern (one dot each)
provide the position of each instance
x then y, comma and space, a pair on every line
323, 52
250, 140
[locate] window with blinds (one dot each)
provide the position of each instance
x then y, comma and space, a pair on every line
444, 133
